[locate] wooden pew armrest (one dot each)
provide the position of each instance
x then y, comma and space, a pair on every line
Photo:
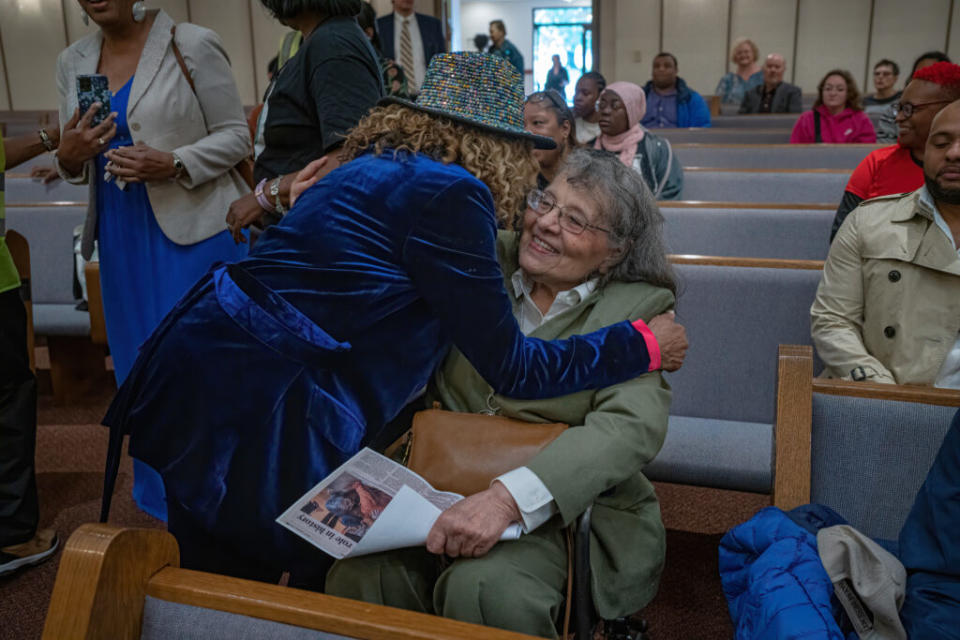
794, 412
98, 325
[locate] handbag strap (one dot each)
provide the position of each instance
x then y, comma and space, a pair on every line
816, 126
180, 60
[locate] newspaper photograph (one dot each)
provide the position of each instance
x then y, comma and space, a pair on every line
370, 504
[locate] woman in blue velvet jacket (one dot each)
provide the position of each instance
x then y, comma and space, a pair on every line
274, 370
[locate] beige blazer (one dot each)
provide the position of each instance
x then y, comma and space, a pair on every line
889, 300
207, 131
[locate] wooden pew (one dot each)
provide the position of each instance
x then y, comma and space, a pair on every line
737, 312
98, 325
77, 369
759, 263
120, 583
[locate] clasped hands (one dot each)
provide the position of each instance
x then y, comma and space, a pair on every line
82, 141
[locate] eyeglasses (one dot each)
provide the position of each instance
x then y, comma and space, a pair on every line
542, 203
909, 108
552, 96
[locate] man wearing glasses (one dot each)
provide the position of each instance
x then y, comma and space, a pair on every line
899, 167
885, 74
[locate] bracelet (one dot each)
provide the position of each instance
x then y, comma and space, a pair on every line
275, 192
45, 139
262, 199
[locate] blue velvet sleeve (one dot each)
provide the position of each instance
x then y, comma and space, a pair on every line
450, 254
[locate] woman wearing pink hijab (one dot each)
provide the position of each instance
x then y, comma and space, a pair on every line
621, 107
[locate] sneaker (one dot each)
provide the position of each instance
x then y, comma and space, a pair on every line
26, 554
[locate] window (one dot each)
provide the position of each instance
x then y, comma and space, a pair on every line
567, 32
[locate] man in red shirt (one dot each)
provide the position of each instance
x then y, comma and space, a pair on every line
899, 168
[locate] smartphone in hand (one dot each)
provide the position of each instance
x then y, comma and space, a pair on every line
90, 89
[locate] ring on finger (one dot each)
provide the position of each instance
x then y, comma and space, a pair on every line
102, 142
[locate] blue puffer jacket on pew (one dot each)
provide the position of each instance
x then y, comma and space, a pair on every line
774, 582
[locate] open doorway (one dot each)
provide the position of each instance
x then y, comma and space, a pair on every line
537, 28
567, 32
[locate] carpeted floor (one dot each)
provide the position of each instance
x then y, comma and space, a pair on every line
71, 447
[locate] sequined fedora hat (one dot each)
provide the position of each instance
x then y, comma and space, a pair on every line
478, 89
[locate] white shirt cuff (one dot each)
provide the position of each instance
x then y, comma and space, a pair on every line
534, 500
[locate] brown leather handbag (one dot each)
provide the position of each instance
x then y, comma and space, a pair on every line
464, 452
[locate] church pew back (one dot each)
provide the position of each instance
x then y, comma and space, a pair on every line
773, 156
822, 186
749, 233
726, 135
755, 121
125, 584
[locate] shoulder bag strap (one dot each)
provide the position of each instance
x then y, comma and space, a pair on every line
245, 166
816, 126
180, 60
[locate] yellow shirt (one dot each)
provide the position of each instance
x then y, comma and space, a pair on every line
9, 279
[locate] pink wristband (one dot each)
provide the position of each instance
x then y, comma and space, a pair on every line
652, 347
262, 199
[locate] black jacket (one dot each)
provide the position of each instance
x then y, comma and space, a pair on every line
786, 99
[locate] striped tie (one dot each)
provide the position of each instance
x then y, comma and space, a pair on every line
406, 55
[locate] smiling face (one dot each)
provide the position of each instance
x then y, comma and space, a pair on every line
540, 119
941, 160
108, 12
585, 98
743, 55
913, 131
834, 94
555, 258
613, 114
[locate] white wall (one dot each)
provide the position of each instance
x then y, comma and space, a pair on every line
813, 35
475, 17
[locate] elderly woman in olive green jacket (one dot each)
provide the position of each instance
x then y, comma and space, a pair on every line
590, 253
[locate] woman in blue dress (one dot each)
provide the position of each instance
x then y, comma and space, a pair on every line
159, 170
272, 371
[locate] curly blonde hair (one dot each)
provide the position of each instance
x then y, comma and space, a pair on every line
505, 165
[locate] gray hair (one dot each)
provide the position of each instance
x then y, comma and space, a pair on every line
629, 210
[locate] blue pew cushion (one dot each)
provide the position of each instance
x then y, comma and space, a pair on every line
726, 454
60, 320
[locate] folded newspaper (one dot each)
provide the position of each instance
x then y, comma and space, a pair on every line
370, 504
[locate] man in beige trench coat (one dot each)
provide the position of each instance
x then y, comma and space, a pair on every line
888, 306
